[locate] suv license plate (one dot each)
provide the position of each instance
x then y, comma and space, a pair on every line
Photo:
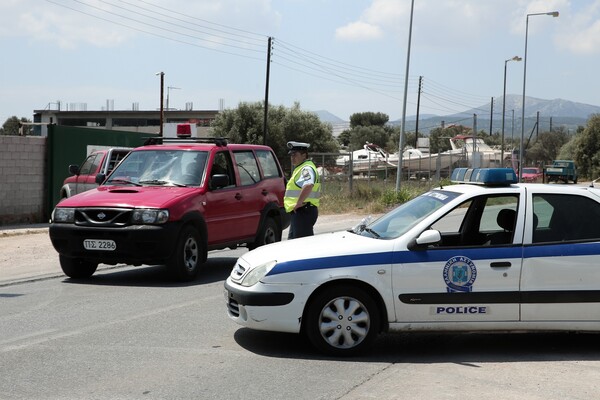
93, 244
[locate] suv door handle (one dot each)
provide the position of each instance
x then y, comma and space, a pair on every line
264, 192
238, 196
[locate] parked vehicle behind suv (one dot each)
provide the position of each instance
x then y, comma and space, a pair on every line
170, 203
85, 177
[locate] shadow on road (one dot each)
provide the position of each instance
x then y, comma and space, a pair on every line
466, 349
216, 269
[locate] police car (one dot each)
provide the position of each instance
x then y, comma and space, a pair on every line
485, 254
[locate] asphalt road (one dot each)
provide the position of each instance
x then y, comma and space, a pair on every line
131, 333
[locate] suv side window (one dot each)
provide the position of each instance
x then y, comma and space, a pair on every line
561, 217
222, 166
90, 164
267, 162
247, 167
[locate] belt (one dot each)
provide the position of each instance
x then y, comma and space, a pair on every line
305, 206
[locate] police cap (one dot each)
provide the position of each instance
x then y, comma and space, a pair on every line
297, 146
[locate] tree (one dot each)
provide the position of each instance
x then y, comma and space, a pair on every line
372, 134
11, 126
547, 146
439, 138
587, 148
368, 119
245, 125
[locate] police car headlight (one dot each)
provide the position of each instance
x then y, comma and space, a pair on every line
150, 216
64, 215
256, 274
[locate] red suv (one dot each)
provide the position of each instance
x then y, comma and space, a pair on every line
170, 203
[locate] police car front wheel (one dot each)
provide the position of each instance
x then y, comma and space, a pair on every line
342, 321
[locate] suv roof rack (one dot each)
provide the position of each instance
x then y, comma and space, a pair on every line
219, 141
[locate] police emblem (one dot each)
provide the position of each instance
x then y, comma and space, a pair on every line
459, 274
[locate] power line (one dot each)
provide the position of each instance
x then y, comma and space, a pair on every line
168, 24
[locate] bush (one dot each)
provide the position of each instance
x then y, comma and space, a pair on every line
373, 197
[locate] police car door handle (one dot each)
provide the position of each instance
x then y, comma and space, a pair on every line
500, 264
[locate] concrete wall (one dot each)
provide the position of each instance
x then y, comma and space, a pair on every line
22, 179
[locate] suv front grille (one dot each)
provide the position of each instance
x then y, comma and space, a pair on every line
105, 217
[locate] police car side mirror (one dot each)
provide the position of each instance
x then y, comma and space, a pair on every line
430, 236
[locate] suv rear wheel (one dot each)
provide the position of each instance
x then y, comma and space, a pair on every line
189, 254
77, 268
270, 232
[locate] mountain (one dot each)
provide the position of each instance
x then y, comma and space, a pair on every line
547, 108
326, 116
552, 114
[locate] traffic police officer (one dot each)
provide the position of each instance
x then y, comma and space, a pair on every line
303, 192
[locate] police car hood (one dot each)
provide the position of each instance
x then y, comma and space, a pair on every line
326, 248
126, 196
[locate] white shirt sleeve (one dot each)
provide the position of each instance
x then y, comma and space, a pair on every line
307, 176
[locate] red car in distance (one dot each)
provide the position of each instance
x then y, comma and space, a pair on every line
532, 174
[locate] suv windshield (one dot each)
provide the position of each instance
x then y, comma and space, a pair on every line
161, 167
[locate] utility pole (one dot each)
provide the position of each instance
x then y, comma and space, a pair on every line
266, 115
474, 152
418, 106
537, 125
492, 114
162, 102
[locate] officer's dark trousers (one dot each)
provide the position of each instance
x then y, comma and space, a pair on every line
302, 221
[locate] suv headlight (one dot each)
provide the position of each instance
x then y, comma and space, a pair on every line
64, 215
256, 274
149, 216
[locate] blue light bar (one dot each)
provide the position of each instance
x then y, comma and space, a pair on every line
484, 176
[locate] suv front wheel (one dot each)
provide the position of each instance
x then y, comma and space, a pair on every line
77, 268
189, 255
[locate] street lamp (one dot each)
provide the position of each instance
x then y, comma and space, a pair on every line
515, 58
402, 123
162, 109
168, 90
522, 149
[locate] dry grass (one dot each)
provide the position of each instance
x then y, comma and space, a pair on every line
374, 197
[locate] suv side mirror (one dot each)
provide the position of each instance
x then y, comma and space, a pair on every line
100, 178
74, 169
218, 181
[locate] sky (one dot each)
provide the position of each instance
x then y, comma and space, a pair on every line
343, 56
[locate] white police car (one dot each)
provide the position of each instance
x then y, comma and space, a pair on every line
484, 256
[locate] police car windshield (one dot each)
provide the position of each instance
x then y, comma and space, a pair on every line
398, 221
161, 167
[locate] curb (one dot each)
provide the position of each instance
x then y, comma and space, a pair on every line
6, 232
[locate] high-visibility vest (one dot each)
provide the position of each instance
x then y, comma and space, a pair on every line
292, 191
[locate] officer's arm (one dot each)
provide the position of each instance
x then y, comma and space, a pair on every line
304, 193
